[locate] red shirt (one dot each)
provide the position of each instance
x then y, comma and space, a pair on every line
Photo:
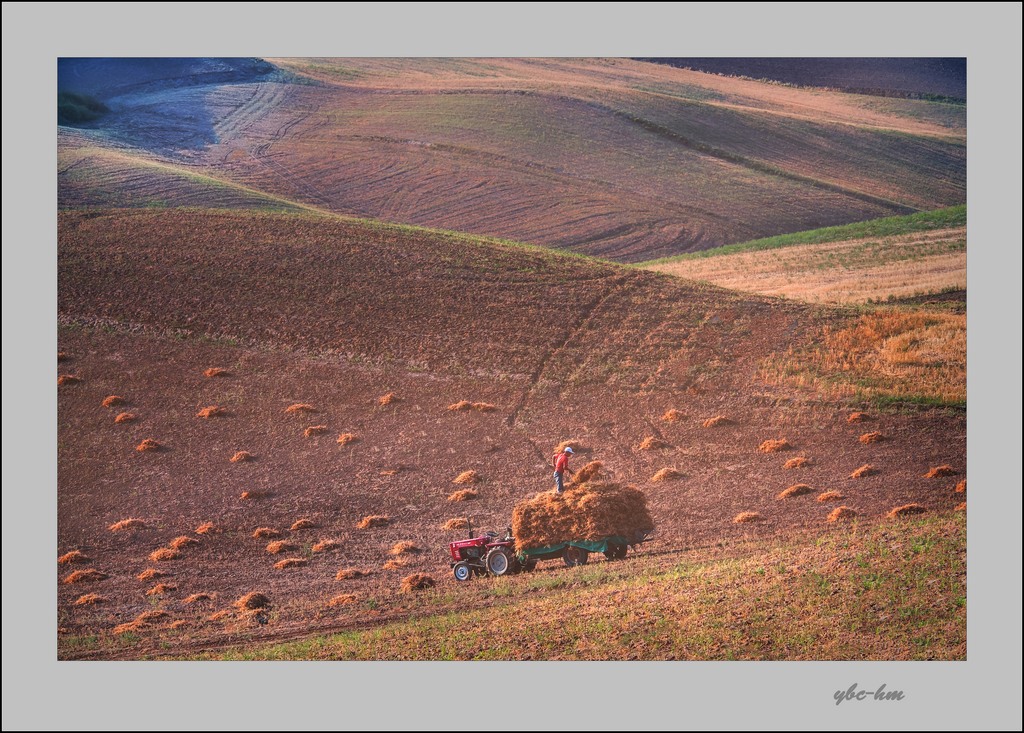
561, 462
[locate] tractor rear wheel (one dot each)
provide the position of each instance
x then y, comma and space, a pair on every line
462, 571
498, 561
575, 556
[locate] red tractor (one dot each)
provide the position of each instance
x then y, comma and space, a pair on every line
485, 554
490, 554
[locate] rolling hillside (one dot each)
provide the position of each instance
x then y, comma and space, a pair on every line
622, 159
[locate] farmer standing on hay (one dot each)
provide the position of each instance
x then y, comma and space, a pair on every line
561, 463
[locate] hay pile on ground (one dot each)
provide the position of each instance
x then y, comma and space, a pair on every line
206, 528
179, 624
347, 438
396, 563
746, 517
943, 470
906, 510
162, 554
84, 576
212, 411
113, 400
145, 618
773, 445
417, 581
197, 598
127, 524
265, 533
798, 462
840, 513
151, 573
467, 477
590, 511
126, 417
242, 456
160, 589
717, 421
858, 417
349, 573
373, 520
873, 437
147, 445
63, 356
216, 372
291, 562
299, 407
795, 490
74, 556
314, 430
463, 495
278, 546
252, 602
342, 600
961, 486
326, 546
673, 415
666, 474
255, 494
456, 523
387, 399
90, 599
68, 379
961, 507
577, 446
405, 547
866, 470
184, 541
832, 495
652, 443
220, 615
466, 405
303, 523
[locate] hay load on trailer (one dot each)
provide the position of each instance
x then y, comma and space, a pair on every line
592, 516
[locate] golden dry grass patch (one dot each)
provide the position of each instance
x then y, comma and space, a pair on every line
212, 411
961, 486
467, 406
351, 573
151, 574
206, 528
874, 436
347, 439
198, 598
148, 445
456, 523
242, 456
265, 533
652, 443
797, 462
216, 372
314, 430
160, 589
342, 599
252, 601
673, 415
303, 523
855, 417
184, 541
718, 421
113, 401
300, 408
467, 477
774, 445
124, 417
396, 563
939, 471
67, 379
388, 399
404, 548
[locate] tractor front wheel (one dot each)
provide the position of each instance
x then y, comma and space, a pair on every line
462, 571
